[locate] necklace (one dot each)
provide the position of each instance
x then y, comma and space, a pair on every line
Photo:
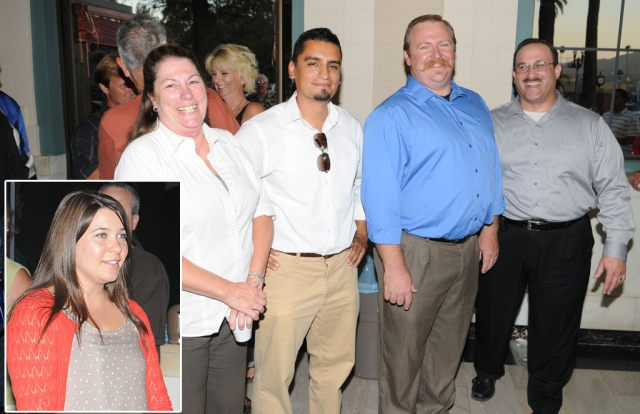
235, 110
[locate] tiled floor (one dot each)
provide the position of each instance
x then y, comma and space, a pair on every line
588, 392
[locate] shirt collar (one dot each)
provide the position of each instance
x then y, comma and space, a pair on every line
560, 108
292, 114
422, 94
175, 141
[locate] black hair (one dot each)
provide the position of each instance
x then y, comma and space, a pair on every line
320, 34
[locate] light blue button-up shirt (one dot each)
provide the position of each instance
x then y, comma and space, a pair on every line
430, 165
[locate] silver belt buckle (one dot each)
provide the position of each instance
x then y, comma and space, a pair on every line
534, 222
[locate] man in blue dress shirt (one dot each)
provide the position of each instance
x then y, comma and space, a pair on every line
432, 189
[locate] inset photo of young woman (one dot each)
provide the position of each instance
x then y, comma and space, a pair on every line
92, 290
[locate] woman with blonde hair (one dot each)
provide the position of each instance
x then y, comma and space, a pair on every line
234, 69
91, 347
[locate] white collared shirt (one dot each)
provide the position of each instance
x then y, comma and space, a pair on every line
216, 225
315, 210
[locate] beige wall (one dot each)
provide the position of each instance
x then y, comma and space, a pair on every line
372, 31
17, 63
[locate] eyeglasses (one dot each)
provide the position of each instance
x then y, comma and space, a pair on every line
261, 82
539, 66
324, 162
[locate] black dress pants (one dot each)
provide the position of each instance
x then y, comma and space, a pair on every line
555, 266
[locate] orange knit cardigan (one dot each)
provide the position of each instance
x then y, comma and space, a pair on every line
39, 371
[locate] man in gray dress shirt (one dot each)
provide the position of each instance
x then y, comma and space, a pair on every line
553, 154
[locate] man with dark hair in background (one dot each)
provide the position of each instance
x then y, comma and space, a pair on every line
149, 283
624, 124
117, 89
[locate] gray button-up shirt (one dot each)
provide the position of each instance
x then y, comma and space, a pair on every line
559, 168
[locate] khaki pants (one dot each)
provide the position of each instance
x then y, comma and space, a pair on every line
421, 348
313, 297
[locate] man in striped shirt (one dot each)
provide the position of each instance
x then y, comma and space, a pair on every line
625, 124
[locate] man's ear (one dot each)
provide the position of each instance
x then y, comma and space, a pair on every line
104, 89
407, 60
135, 218
125, 70
292, 68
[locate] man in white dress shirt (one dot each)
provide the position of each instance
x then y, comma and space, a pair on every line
308, 153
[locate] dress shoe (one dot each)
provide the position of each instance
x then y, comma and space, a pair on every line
483, 389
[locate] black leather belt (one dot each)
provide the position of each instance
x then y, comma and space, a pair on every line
459, 241
541, 225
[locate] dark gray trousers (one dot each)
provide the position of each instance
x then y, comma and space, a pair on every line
421, 348
213, 374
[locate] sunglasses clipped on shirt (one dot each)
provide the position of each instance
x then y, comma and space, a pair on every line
324, 162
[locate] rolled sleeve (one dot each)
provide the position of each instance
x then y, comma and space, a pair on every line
383, 160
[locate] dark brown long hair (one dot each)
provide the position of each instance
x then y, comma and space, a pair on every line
147, 118
57, 266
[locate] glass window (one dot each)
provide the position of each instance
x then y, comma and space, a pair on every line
569, 38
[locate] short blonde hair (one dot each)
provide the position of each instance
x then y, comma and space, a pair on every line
238, 58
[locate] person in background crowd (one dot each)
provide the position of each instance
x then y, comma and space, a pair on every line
117, 89
136, 38
263, 94
432, 190
11, 116
233, 70
221, 195
76, 313
634, 180
625, 125
560, 161
149, 283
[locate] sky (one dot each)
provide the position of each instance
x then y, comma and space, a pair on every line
570, 28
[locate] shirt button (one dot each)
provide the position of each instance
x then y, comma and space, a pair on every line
535, 143
535, 163
477, 195
535, 183
476, 170
460, 123
475, 219
328, 231
469, 145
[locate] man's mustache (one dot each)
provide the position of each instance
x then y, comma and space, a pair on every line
435, 62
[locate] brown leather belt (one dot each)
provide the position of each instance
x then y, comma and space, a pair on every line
542, 225
313, 254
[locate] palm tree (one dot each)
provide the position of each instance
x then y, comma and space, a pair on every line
589, 75
547, 18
